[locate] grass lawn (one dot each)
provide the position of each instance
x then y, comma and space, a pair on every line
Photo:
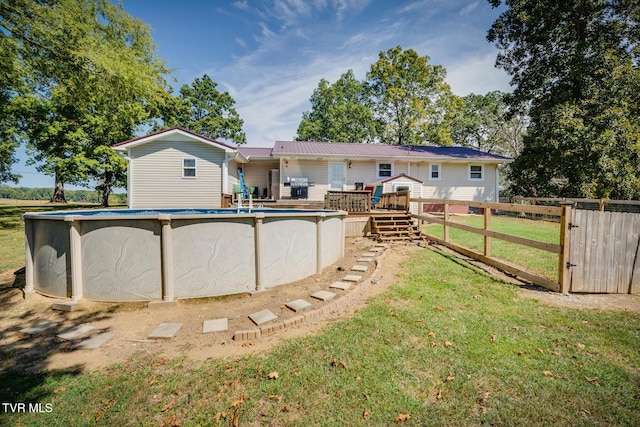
445, 345
12, 230
534, 260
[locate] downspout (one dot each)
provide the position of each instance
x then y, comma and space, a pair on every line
128, 159
225, 171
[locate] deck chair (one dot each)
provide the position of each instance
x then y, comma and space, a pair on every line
237, 191
375, 197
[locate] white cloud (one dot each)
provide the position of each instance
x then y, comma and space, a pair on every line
469, 8
477, 74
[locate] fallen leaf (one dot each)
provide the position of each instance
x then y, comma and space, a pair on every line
153, 381
247, 344
540, 350
542, 327
439, 308
433, 344
273, 375
168, 406
451, 377
387, 300
493, 338
219, 395
358, 378
98, 416
60, 389
403, 417
521, 352
286, 408
476, 296
229, 368
338, 394
555, 353
547, 374
431, 334
580, 345
172, 421
593, 381
420, 320
516, 328
274, 396
439, 396
448, 343
365, 415
239, 401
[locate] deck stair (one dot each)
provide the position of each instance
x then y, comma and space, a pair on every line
393, 227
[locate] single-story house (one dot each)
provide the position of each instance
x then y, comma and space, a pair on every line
177, 168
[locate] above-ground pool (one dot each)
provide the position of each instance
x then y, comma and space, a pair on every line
164, 254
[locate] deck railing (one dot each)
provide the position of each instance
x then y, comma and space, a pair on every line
350, 201
397, 201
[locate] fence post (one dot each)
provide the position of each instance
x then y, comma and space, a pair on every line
487, 226
446, 219
564, 262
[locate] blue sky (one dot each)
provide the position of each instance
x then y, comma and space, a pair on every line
271, 54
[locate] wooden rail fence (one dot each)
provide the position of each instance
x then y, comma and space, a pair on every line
598, 252
561, 248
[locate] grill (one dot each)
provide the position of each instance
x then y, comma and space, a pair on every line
299, 188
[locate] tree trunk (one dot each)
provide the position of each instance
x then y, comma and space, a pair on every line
58, 192
105, 188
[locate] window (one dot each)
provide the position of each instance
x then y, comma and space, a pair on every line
384, 170
189, 168
475, 172
434, 172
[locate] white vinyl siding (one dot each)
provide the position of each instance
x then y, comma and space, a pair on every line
157, 170
455, 183
317, 171
256, 173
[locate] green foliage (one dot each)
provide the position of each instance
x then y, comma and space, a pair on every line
484, 123
411, 99
576, 64
201, 108
87, 77
339, 113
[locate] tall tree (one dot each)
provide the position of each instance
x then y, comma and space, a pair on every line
339, 113
89, 76
577, 64
485, 123
201, 108
411, 98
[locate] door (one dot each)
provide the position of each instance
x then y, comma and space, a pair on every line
337, 175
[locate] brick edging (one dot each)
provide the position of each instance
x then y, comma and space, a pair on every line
337, 305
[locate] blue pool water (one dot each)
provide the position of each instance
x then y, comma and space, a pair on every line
123, 212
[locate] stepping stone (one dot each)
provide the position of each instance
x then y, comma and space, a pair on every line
165, 330
375, 249
365, 259
94, 341
351, 278
369, 254
323, 295
381, 245
263, 316
359, 268
39, 328
340, 285
298, 305
76, 331
215, 325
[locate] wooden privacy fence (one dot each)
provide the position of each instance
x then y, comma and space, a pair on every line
598, 252
605, 256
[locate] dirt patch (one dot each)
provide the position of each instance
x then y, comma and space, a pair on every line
132, 322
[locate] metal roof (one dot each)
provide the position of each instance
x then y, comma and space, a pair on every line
351, 150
